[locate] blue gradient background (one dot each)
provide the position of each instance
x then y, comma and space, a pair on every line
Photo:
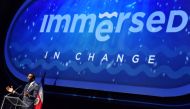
169, 76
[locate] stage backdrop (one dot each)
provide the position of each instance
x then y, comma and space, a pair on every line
137, 46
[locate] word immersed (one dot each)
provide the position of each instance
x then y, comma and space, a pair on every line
103, 25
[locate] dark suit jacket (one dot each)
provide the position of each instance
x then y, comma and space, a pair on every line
32, 91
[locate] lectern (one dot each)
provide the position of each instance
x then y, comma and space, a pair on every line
16, 102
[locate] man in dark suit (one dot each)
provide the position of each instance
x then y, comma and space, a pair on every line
29, 93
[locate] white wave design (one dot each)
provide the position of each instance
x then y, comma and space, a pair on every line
108, 15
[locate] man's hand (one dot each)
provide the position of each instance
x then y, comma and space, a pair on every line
26, 94
10, 89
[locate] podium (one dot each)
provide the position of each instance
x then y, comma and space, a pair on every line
15, 102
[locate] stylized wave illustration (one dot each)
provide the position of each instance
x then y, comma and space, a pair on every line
161, 49
96, 69
108, 15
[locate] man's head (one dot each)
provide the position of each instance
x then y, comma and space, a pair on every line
31, 77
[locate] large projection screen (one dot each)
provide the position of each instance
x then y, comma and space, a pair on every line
127, 46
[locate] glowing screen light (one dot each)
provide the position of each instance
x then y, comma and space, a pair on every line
136, 46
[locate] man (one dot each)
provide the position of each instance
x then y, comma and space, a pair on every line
29, 93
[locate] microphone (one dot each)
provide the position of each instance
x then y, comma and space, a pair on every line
18, 87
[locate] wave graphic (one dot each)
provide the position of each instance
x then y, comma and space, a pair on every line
108, 15
148, 71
